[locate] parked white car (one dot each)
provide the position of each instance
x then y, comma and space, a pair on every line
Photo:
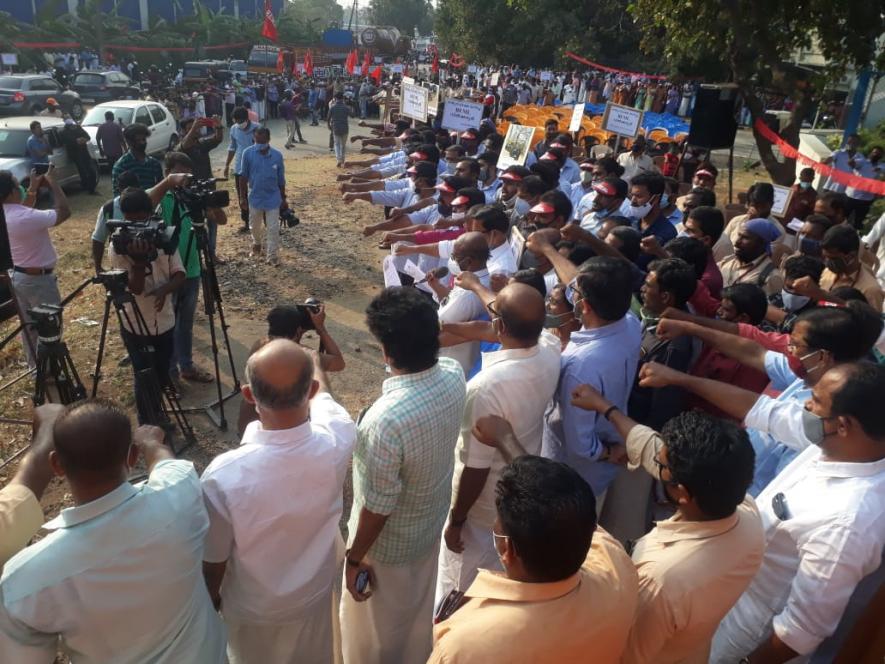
14, 135
164, 132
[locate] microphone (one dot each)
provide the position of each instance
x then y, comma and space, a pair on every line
438, 273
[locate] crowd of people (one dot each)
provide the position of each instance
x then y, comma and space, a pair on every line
617, 425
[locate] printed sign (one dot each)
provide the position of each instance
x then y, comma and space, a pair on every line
396, 69
546, 76
517, 143
782, 197
517, 243
9, 59
413, 102
433, 99
493, 80
577, 116
622, 120
460, 115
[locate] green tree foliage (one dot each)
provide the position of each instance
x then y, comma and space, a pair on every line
303, 21
538, 32
749, 43
403, 14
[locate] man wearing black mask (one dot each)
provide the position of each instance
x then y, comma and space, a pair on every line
148, 169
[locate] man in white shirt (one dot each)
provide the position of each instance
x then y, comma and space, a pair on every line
118, 577
274, 507
823, 515
515, 383
460, 305
636, 161
33, 255
149, 320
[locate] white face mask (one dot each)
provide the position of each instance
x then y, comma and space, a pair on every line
457, 216
639, 211
522, 206
587, 177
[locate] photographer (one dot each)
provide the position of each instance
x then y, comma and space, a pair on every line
291, 322
33, 255
198, 147
175, 214
111, 209
150, 281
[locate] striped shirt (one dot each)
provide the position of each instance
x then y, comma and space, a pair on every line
148, 170
404, 459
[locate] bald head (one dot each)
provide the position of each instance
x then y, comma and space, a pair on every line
280, 375
522, 312
473, 246
92, 437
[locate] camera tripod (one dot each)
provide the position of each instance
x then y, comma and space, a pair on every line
156, 404
55, 368
212, 304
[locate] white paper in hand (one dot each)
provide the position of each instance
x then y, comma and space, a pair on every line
391, 277
413, 271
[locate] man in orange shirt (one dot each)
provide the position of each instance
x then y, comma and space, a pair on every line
568, 590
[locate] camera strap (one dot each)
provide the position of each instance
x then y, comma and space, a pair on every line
176, 224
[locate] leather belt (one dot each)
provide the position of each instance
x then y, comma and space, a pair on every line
33, 271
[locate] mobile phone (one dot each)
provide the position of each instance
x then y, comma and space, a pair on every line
41, 169
362, 581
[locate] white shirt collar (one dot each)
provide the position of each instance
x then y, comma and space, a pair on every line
256, 434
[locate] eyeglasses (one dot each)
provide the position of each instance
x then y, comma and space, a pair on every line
663, 466
492, 310
572, 294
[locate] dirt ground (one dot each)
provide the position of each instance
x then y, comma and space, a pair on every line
325, 257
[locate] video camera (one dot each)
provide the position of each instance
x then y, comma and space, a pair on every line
154, 231
46, 319
311, 306
200, 195
288, 218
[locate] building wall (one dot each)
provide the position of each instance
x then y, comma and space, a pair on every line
140, 12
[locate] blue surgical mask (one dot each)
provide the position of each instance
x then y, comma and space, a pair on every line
805, 185
792, 301
665, 200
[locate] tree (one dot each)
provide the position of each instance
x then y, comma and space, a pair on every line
538, 32
753, 41
403, 14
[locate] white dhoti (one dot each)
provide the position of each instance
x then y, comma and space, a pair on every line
395, 625
457, 571
308, 639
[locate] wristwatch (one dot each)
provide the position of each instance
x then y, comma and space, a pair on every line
350, 561
609, 411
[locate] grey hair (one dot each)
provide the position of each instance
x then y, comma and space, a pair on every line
273, 398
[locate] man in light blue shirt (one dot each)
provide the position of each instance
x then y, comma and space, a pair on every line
37, 149
603, 354
242, 135
263, 184
119, 578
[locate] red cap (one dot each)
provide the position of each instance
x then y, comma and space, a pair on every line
604, 188
515, 177
585, 166
542, 208
460, 200
446, 187
549, 156
420, 156
469, 134
705, 172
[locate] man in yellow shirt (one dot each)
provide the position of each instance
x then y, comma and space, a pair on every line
568, 590
20, 513
694, 566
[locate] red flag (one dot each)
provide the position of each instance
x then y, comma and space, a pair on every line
350, 63
308, 63
367, 62
376, 74
269, 29
280, 61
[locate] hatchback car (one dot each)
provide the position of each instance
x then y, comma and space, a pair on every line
156, 117
26, 94
95, 87
14, 134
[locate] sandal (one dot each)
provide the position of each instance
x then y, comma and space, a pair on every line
197, 375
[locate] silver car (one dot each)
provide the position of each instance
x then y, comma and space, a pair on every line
14, 134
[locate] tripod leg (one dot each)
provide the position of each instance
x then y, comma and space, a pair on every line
96, 374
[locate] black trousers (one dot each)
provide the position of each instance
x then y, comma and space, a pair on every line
857, 211
88, 179
151, 355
